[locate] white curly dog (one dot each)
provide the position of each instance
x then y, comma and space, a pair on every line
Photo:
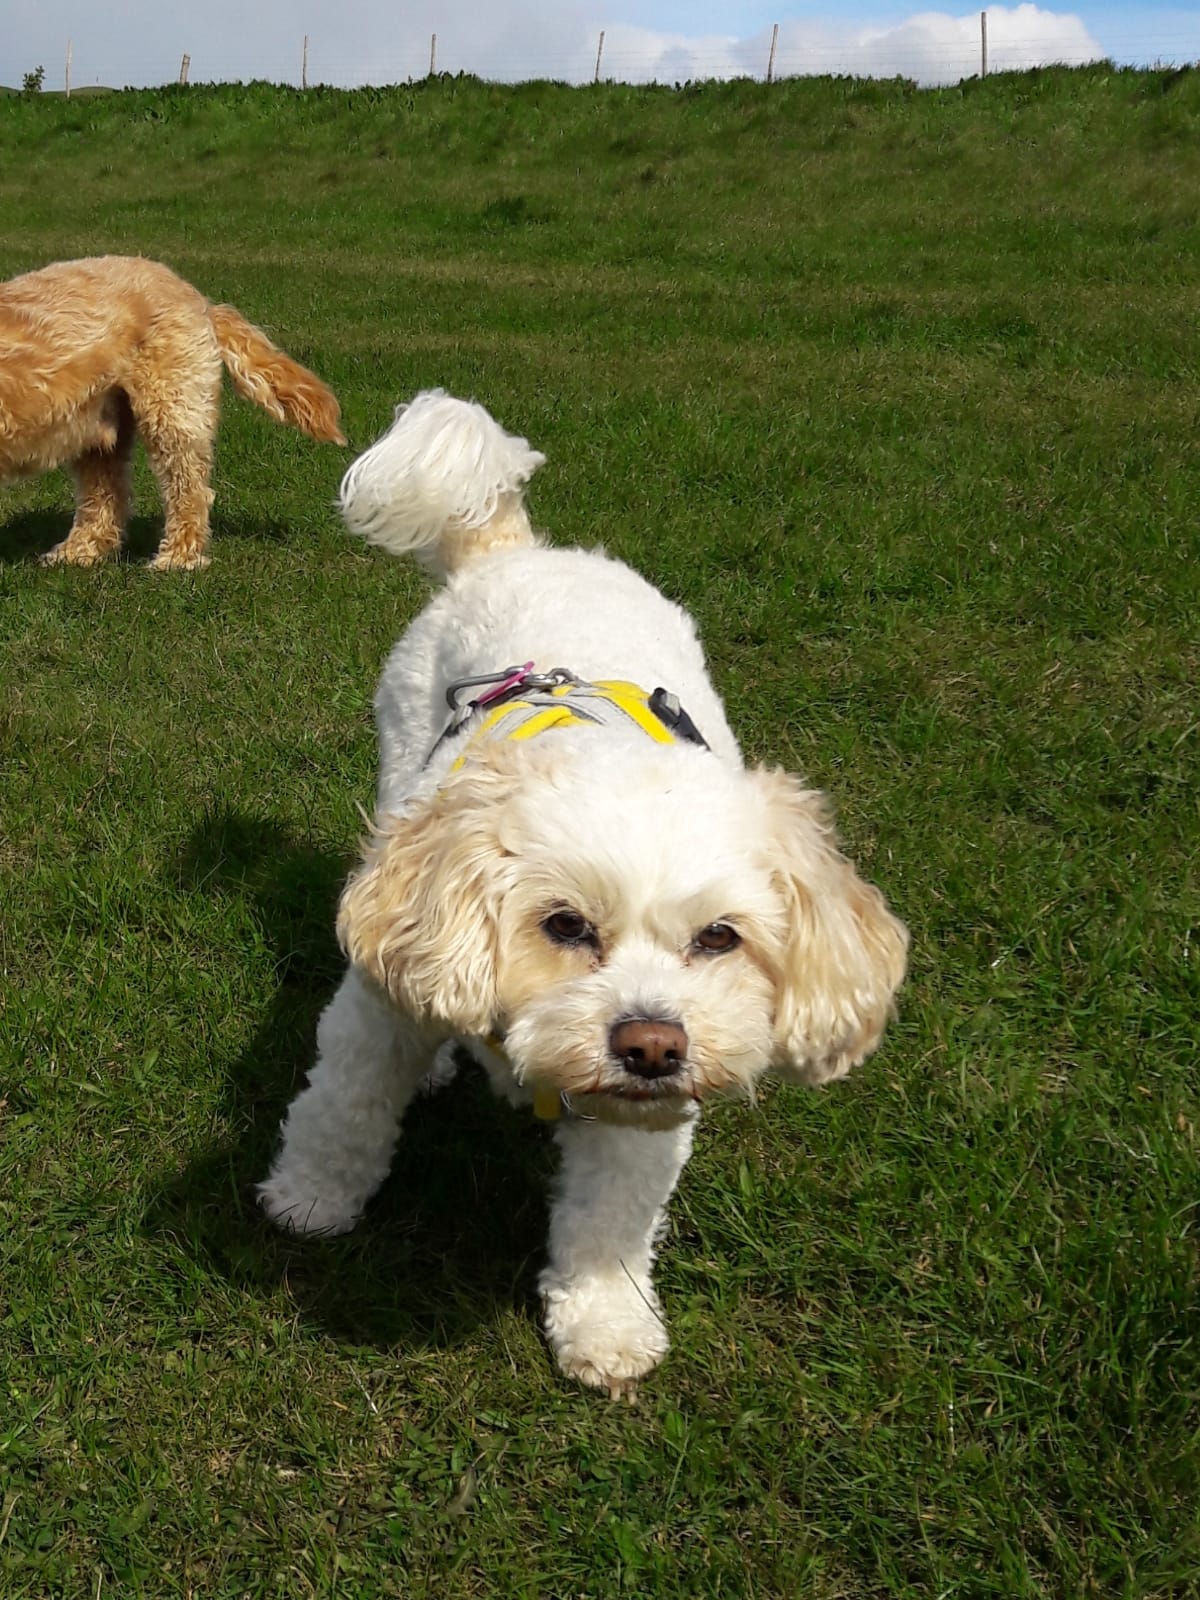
573, 873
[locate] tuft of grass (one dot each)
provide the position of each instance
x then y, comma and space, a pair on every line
896, 392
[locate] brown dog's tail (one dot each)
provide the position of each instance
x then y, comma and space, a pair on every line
263, 373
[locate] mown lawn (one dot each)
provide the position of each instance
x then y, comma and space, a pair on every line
898, 392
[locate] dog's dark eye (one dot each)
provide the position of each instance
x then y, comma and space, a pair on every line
717, 938
568, 927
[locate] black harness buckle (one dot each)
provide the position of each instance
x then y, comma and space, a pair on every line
670, 713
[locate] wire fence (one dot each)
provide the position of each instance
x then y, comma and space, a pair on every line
929, 49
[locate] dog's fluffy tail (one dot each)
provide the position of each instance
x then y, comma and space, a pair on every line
263, 373
444, 483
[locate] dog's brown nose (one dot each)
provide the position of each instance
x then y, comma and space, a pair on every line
649, 1049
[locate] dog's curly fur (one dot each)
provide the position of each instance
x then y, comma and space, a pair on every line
94, 352
643, 924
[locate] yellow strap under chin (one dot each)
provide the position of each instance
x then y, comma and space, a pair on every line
547, 1104
547, 1101
525, 719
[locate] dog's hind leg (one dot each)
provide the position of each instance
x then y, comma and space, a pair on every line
175, 392
103, 494
340, 1131
182, 463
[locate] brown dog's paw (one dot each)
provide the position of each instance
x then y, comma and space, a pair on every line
68, 554
167, 561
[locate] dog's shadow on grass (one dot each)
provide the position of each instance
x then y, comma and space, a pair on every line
458, 1229
25, 538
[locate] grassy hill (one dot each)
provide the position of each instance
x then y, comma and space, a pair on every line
83, 91
897, 391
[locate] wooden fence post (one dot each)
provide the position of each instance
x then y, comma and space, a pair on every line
68, 81
183, 67
599, 53
433, 56
771, 62
304, 67
983, 44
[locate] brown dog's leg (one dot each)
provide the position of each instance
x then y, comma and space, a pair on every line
182, 467
176, 395
103, 494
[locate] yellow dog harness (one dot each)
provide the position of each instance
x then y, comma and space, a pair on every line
520, 703
572, 705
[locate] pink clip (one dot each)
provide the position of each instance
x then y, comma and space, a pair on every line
514, 681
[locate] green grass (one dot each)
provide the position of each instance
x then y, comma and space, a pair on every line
897, 391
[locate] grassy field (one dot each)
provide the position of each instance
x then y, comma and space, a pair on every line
898, 392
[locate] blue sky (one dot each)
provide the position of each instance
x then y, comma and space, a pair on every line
1129, 31
744, 16
357, 41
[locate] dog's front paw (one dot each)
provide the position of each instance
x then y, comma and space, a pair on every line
299, 1209
607, 1333
75, 554
179, 561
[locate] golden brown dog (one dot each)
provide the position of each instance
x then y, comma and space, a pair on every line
94, 352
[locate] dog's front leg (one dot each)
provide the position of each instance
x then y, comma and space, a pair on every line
340, 1131
602, 1316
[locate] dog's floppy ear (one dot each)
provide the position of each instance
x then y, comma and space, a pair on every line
843, 954
419, 916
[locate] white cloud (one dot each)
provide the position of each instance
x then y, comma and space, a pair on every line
935, 48
141, 41
931, 47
